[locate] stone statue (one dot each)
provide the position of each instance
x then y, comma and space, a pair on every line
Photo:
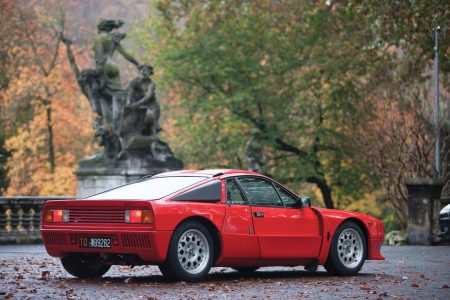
142, 94
254, 153
106, 44
127, 121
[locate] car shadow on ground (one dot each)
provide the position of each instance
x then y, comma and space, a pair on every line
221, 277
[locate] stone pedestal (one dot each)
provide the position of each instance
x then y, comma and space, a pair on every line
99, 173
423, 198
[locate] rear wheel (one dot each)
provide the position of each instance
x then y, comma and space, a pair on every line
347, 251
246, 269
190, 255
84, 265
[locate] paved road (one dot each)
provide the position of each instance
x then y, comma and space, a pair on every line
27, 272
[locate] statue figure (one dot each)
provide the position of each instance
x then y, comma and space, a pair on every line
88, 79
127, 121
142, 94
254, 153
106, 43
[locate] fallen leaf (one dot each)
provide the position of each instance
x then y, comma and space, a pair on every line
365, 287
44, 275
414, 285
227, 288
127, 280
444, 286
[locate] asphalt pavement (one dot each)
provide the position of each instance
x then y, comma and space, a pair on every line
409, 272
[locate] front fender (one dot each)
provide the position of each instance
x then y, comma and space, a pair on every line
332, 219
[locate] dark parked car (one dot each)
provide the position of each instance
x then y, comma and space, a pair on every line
444, 221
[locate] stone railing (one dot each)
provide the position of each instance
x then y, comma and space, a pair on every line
20, 218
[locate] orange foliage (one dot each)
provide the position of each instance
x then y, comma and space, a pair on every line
29, 169
41, 84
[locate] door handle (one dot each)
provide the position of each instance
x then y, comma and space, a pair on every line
258, 214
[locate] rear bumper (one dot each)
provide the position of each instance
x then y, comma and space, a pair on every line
150, 246
374, 249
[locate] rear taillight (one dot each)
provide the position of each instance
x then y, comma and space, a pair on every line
138, 216
56, 216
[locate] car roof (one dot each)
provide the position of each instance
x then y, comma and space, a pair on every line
208, 173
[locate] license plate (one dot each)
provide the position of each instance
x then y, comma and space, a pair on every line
95, 242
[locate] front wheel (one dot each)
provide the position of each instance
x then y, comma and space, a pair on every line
190, 255
347, 251
84, 265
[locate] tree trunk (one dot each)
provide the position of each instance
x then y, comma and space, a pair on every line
321, 183
51, 148
325, 189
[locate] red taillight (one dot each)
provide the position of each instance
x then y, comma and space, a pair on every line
56, 216
138, 216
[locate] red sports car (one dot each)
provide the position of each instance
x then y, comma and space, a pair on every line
188, 221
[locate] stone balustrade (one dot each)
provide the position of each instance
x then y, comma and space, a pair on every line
20, 218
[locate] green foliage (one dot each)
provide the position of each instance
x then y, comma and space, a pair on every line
294, 70
410, 25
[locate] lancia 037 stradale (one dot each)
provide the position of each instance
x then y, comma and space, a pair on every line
188, 221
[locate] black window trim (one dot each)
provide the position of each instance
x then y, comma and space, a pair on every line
240, 189
274, 184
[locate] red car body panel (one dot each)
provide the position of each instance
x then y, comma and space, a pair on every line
285, 236
373, 228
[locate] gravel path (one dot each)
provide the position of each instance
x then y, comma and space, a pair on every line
27, 272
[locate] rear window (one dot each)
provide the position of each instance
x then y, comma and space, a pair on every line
148, 189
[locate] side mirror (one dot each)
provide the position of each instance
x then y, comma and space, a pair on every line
304, 201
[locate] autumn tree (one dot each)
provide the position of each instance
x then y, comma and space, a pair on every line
4, 155
42, 112
294, 70
401, 142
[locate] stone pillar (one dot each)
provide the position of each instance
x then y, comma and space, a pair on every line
423, 193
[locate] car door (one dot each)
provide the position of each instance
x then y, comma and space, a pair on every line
239, 240
283, 229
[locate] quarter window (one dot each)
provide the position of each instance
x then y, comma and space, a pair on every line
234, 194
288, 199
260, 192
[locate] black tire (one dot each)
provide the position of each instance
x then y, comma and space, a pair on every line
84, 265
245, 269
341, 263
174, 268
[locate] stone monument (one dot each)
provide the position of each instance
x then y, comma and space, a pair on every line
423, 209
127, 120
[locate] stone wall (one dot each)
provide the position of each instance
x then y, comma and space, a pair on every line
20, 218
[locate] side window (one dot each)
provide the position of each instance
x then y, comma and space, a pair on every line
234, 194
288, 199
260, 192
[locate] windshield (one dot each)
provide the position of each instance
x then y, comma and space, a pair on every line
149, 189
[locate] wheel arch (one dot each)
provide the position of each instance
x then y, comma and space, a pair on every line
363, 229
212, 229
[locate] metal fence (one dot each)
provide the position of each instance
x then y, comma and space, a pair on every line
20, 218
